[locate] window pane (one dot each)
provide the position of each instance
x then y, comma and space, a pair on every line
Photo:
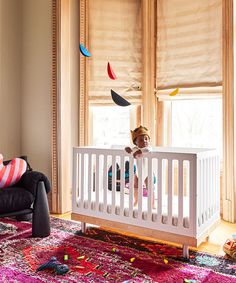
111, 125
197, 123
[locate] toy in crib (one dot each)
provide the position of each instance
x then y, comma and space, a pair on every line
145, 190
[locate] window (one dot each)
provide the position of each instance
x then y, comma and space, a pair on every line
109, 125
178, 63
109, 40
197, 123
189, 52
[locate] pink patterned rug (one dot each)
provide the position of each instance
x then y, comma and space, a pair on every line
99, 256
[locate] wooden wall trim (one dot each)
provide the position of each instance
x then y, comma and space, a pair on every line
65, 29
149, 67
55, 85
83, 85
229, 157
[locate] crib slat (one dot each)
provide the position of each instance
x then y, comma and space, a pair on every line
122, 184
206, 190
180, 193
90, 175
170, 191
208, 187
211, 187
113, 202
97, 182
140, 186
75, 179
199, 196
214, 184
105, 182
218, 183
131, 186
203, 197
202, 191
192, 195
150, 188
82, 179
216, 176
186, 168
159, 190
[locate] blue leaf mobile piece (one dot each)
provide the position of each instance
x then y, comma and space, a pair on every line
84, 51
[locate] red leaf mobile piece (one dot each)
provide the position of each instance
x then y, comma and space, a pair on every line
110, 72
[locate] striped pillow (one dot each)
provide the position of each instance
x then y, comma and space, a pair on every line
12, 172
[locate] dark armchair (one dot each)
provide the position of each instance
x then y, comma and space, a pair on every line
28, 200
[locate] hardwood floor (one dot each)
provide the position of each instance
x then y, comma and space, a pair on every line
214, 244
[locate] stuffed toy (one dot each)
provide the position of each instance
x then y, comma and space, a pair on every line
11, 173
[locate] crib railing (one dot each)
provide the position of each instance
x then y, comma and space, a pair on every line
186, 191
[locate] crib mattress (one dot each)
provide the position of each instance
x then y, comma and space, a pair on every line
164, 217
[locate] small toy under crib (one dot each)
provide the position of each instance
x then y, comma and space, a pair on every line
186, 192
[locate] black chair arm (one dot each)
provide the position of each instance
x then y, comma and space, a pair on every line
31, 179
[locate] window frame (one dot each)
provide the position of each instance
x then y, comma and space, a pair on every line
151, 120
148, 98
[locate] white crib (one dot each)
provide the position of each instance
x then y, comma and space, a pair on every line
187, 193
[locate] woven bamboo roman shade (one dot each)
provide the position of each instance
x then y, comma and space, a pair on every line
189, 46
115, 37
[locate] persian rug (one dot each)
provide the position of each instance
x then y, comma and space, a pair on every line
101, 256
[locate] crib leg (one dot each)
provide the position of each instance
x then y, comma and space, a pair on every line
185, 251
83, 227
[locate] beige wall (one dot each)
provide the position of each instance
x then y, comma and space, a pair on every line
26, 86
25, 81
10, 78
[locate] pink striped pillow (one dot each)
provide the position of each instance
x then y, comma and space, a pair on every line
12, 172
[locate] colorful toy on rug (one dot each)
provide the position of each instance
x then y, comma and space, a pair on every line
190, 281
11, 173
118, 99
54, 264
132, 259
84, 51
174, 92
81, 257
114, 250
66, 257
110, 72
229, 247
